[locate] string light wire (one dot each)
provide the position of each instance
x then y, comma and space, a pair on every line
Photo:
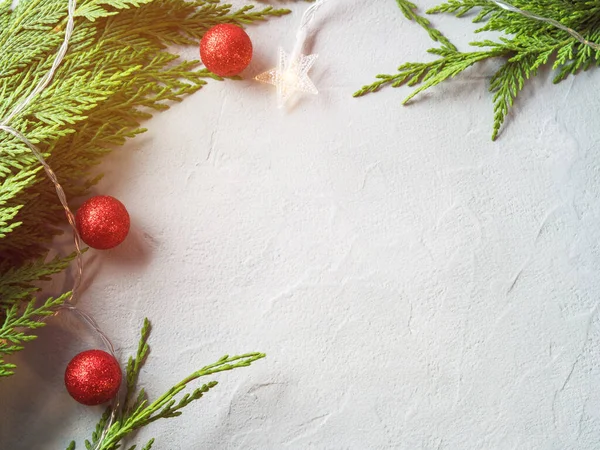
302, 33
69, 305
509, 7
4, 125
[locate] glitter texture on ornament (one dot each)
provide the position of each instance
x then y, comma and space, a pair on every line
103, 222
93, 377
226, 50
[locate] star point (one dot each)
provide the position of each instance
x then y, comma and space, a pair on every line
290, 76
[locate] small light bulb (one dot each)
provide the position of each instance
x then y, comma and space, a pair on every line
290, 76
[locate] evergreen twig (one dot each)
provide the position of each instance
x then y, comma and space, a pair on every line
132, 417
18, 321
409, 10
528, 44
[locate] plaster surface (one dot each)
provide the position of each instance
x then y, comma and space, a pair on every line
414, 285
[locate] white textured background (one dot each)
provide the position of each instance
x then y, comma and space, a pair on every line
414, 285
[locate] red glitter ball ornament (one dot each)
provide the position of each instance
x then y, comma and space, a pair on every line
226, 49
102, 222
93, 377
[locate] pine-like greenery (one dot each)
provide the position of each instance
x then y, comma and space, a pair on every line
525, 46
137, 410
118, 71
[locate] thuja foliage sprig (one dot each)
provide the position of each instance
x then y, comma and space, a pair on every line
409, 9
526, 45
137, 410
118, 71
13, 332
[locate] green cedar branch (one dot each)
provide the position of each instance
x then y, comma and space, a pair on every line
530, 45
409, 10
118, 70
20, 283
133, 416
14, 332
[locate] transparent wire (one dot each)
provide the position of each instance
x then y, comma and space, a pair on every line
5, 126
302, 33
509, 7
309, 15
